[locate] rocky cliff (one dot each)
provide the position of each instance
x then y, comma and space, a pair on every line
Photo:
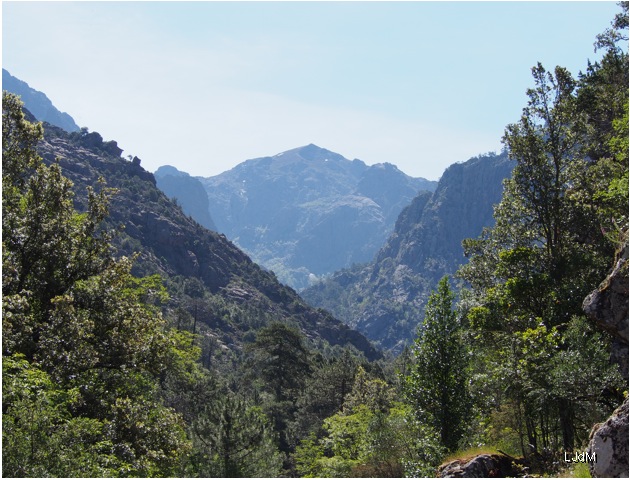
385, 299
188, 192
607, 306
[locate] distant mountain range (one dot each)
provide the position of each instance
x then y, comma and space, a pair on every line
385, 299
303, 213
38, 103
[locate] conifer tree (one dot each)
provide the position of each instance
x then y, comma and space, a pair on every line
436, 386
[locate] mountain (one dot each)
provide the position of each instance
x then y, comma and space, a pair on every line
38, 103
307, 212
211, 281
385, 298
187, 191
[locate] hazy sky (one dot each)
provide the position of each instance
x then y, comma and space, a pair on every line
206, 85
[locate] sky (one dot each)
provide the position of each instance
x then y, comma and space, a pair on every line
204, 86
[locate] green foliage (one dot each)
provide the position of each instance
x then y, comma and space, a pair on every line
364, 442
40, 436
373, 435
234, 439
436, 386
79, 331
282, 359
567, 198
325, 391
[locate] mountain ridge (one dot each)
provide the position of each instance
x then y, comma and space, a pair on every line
385, 298
38, 104
308, 211
240, 295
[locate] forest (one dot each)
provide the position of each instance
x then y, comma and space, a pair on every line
106, 373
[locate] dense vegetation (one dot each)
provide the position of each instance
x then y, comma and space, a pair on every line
563, 214
107, 373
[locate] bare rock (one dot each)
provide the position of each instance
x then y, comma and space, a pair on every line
609, 445
608, 308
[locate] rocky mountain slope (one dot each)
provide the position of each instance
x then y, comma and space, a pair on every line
38, 103
188, 192
308, 211
209, 278
385, 298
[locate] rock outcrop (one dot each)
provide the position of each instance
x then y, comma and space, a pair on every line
481, 466
189, 193
609, 444
608, 308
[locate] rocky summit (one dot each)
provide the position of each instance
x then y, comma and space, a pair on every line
306, 212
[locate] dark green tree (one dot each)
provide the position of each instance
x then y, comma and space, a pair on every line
281, 365
324, 392
436, 386
282, 360
82, 323
234, 438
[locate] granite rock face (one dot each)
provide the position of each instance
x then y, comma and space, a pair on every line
189, 193
385, 300
608, 308
609, 442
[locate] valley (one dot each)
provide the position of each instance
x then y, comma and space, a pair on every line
308, 315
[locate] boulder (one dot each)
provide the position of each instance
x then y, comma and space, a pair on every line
608, 444
482, 466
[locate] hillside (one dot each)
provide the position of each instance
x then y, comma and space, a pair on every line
38, 103
385, 298
307, 212
233, 295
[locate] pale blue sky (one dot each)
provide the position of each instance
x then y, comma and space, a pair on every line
206, 85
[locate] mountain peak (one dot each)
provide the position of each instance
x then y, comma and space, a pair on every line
165, 170
310, 153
